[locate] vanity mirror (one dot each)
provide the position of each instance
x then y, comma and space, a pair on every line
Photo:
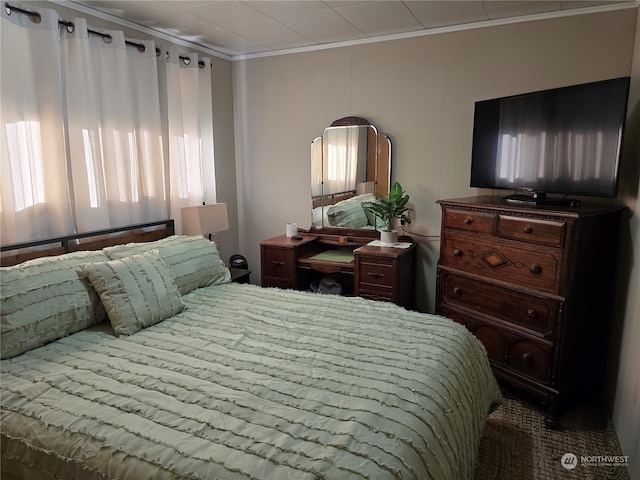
350, 165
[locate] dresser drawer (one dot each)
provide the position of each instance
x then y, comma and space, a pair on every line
376, 271
277, 282
375, 278
537, 314
278, 263
526, 357
379, 294
383, 273
543, 232
531, 359
476, 222
521, 264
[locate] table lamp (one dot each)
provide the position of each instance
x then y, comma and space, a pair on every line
205, 220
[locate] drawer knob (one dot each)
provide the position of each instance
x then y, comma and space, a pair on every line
535, 269
468, 221
457, 290
526, 357
375, 275
276, 262
527, 230
457, 252
531, 313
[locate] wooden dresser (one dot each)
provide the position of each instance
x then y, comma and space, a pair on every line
379, 273
536, 286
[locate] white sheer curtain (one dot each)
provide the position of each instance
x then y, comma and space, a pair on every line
115, 147
34, 194
95, 133
341, 159
189, 126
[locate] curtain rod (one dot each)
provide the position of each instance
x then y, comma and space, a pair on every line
35, 17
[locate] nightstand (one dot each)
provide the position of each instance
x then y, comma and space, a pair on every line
240, 275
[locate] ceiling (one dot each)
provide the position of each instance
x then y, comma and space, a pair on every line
237, 29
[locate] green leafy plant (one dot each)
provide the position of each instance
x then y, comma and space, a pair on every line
391, 207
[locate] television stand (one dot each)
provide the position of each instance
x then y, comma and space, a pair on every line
538, 199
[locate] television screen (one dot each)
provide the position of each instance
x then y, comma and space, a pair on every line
563, 141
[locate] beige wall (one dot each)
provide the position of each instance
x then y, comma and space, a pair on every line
420, 92
223, 137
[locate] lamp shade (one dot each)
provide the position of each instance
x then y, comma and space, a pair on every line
205, 219
365, 187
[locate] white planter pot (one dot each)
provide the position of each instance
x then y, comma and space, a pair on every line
389, 238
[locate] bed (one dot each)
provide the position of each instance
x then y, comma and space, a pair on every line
143, 361
349, 212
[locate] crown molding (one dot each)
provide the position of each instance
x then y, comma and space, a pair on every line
449, 29
227, 55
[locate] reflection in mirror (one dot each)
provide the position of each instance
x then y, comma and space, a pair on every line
344, 159
350, 166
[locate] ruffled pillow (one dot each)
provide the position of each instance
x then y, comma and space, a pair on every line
44, 299
136, 291
193, 261
350, 213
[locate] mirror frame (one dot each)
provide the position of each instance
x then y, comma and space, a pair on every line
382, 166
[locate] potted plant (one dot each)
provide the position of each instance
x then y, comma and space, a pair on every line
389, 209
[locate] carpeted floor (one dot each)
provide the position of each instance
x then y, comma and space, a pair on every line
517, 446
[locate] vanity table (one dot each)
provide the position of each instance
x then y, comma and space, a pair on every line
350, 166
374, 272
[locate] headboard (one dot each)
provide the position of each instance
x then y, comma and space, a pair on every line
96, 240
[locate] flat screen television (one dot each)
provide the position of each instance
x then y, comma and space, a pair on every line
563, 141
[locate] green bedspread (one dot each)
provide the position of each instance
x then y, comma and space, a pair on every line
252, 383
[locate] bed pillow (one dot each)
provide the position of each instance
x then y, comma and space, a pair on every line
136, 291
372, 218
319, 216
193, 261
45, 299
349, 213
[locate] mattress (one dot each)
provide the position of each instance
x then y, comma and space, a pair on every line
252, 383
